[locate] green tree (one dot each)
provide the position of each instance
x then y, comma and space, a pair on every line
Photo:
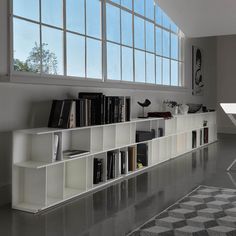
36, 56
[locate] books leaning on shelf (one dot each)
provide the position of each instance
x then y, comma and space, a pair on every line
89, 109
74, 153
97, 170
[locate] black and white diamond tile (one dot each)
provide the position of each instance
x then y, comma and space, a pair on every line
206, 211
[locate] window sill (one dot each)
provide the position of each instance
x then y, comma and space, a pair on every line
83, 82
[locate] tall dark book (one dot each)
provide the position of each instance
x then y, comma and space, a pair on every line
127, 108
194, 139
97, 171
132, 158
80, 112
60, 114
110, 165
97, 107
123, 161
206, 134
142, 154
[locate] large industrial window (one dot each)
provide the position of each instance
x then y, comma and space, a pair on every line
120, 40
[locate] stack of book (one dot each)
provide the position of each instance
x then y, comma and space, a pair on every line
89, 109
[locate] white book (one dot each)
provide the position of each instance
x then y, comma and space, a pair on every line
56, 144
126, 162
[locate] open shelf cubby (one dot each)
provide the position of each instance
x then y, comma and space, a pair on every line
39, 181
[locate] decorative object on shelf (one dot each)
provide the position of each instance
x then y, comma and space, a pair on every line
205, 123
183, 109
171, 106
197, 72
193, 108
74, 153
146, 103
165, 115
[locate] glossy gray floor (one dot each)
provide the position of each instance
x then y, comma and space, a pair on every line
126, 205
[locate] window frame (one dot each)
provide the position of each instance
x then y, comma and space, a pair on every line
42, 78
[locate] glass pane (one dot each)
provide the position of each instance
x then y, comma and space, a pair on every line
139, 6
139, 66
113, 23
166, 43
75, 13
174, 27
52, 51
158, 41
150, 68
166, 71
75, 55
139, 33
174, 73
93, 18
158, 70
113, 62
158, 15
52, 12
26, 46
26, 8
127, 3
149, 9
94, 59
126, 27
127, 64
174, 46
165, 21
150, 37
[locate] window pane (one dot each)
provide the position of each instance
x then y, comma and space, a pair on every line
158, 15
113, 62
52, 51
150, 68
94, 59
127, 64
139, 66
165, 21
127, 3
158, 70
174, 73
75, 15
93, 18
126, 27
150, 37
174, 46
26, 8
113, 23
26, 42
75, 55
174, 27
139, 33
52, 12
139, 6
158, 41
166, 43
149, 9
166, 71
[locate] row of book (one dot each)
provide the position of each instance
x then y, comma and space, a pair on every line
89, 109
120, 162
203, 138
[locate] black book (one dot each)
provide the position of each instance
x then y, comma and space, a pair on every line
55, 114
97, 107
127, 108
60, 114
116, 109
109, 165
194, 139
107, 110
142, 154
123, 153
97, 171
206, 131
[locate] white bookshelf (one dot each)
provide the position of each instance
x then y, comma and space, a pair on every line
38, 182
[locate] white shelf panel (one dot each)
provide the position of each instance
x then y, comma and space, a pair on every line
52, 201
32, 164
71, 192
23, 206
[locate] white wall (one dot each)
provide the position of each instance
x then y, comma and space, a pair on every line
27, 105
226, 79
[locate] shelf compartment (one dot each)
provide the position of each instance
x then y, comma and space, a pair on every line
103, 157
132, 132
181, 143
145, 125
109, 137
170, 126
27, 148
55, 183
122, 134
75, 177
96, 139
29, 189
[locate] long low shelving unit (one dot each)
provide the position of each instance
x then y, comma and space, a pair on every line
38, 182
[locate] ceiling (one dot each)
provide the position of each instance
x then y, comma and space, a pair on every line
201, 18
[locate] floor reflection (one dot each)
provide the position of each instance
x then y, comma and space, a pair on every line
124, 206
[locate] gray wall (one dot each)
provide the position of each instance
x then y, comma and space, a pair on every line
226, 79
28, 105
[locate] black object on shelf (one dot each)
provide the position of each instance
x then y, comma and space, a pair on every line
145, 135
142, 154
194, 139
193, 108
146, 103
